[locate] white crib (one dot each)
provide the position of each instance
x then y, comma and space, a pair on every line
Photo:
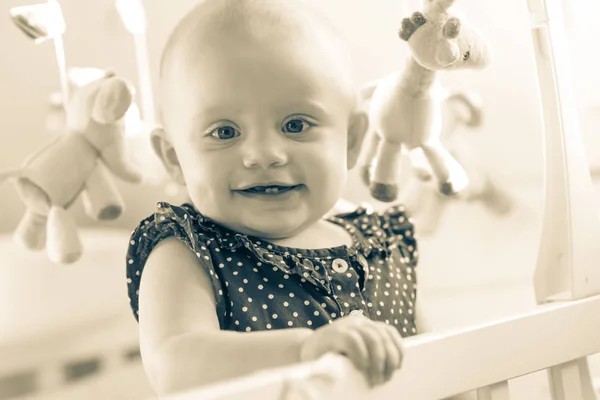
557, 336
63, 324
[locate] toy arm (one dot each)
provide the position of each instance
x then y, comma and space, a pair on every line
100, 197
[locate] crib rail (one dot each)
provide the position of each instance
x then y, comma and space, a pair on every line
480, 357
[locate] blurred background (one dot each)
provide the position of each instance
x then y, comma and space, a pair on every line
73, 322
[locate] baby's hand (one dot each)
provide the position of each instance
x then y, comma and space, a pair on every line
374, 347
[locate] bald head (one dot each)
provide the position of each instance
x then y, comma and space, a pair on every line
256, 20
212, 24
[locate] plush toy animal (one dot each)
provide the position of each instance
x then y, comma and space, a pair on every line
406, 107
76, 163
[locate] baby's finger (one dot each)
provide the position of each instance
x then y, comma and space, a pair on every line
374, 339
393, 350
352, 345
397, 340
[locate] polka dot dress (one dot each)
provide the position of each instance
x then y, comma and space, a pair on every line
261, 286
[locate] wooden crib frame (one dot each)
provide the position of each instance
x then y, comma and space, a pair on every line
557, 336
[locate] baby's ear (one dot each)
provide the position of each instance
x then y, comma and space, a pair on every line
357, 128
166, 152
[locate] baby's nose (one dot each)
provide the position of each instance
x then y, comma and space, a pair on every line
265, 154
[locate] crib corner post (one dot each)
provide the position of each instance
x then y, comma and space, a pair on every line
567, 266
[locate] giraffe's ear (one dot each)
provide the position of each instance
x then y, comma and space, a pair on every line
451, 28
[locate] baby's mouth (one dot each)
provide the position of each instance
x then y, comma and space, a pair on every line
271, 189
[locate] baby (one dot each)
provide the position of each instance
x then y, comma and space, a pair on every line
261, 125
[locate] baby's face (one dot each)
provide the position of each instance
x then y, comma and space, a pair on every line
261, 135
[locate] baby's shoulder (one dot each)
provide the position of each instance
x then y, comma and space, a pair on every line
182, 223
392, 220
391, 226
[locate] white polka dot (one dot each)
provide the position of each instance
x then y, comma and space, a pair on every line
309, 322
275, 316
249, 299
248, 329
295, 314
286, 304
316, 313
352, 294
290, 323
280, 286
260, 287
130, 261
264, 306
244, 309
286, 276
241, 290
245, 281
220, 292
270, 296
129, 280
306, 302
229, 259
292, 295
237, 322
240, 264
235, 273
254, 319
378, 312
137, 273
268, 326
333, 315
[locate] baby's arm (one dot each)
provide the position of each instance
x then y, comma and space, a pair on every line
181, 344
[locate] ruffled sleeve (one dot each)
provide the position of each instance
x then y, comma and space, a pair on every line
168, 221
391, 228
400, 232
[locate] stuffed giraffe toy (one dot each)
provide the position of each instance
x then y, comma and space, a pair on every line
406, 107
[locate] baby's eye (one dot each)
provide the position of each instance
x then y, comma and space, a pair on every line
296, 125
225, 133
466, 55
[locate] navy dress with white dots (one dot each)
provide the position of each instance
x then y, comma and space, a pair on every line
261, 286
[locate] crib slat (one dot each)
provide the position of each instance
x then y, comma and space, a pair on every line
497, 391
571, 381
